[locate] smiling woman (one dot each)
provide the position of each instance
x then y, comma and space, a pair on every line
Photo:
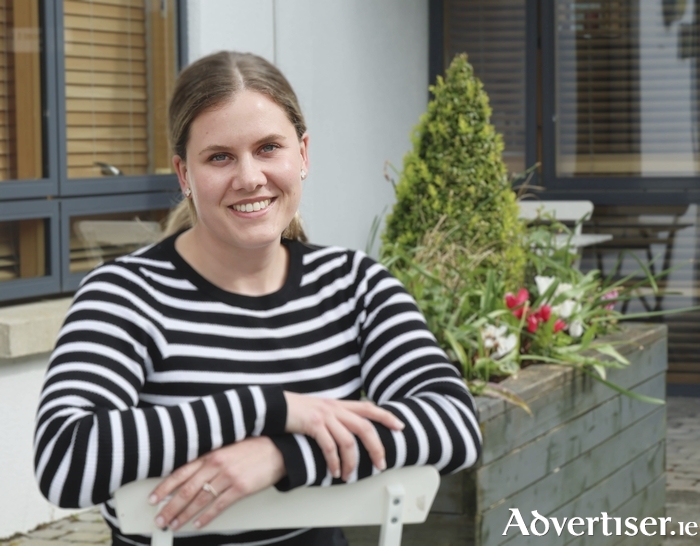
243, 171
232, 356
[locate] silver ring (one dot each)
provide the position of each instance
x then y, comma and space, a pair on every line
209, 489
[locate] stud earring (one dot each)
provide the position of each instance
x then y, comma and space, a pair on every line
188, 192
303, 174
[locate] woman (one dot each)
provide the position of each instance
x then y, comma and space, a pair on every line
231, 356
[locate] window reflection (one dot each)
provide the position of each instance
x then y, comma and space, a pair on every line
22, 249
96, 239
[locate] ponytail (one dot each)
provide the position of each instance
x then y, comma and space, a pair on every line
182, 217
295, 231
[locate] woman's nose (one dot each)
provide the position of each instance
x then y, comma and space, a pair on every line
249, 175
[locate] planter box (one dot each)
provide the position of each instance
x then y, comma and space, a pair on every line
585, 450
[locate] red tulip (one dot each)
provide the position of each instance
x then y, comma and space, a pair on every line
513, 301
518, 313
532, 324
559, 325
544, 312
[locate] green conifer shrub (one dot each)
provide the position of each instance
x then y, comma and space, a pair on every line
455, 178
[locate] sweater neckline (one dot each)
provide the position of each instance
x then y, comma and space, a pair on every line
291, 284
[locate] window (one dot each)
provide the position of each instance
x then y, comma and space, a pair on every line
626, 85
119, 72
492, 33
84, 87
21, 123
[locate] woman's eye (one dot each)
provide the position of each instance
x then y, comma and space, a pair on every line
218, 157
269, 148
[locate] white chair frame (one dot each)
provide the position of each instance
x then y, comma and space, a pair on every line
389, 499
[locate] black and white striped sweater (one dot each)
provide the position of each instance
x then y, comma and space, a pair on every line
155, 366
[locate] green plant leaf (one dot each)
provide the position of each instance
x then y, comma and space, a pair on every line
621, 390
609, 350
494, 390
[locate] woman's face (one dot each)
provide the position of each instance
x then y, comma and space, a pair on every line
244, 163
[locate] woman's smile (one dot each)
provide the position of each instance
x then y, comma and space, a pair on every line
252, 206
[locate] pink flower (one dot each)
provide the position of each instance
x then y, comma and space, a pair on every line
613, 294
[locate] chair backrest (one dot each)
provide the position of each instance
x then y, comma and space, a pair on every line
389, 499
574, 212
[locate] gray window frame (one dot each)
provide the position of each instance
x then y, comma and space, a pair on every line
36, 286
57, 198
48, 184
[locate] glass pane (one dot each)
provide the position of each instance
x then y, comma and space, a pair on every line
99, 238
23, 249
120, 70
671, 237
627, 86
21, 134
492, 34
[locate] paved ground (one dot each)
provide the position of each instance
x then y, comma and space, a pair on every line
683, 465
682, 489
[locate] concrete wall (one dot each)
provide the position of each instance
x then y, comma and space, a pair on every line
360, 69
22, 507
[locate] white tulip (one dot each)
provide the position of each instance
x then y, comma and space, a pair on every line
576, 329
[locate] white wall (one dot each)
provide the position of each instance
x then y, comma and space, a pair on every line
22, 507
360, 69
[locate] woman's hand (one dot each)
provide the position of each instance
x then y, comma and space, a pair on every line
231, 472
333, 424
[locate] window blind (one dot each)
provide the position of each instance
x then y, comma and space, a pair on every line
8, 251
7, 128
21, 140
106, 87
492, 33
120, 69
626, 89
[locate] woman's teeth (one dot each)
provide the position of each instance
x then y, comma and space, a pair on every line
252, 207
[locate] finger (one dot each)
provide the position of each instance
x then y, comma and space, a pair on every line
369, 437
346, 446
183, 497
371, 411
223, 501
325, 441
172, 482
199, 502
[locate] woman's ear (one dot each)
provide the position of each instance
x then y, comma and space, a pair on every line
304, 150
181, 171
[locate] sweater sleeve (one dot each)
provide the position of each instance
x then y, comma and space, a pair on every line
404, 371
91, 437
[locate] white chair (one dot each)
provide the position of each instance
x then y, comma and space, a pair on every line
389, 499
567, 212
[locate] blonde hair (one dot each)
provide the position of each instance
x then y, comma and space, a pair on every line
209, 82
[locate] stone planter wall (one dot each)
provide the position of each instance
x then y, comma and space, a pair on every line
585, 450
